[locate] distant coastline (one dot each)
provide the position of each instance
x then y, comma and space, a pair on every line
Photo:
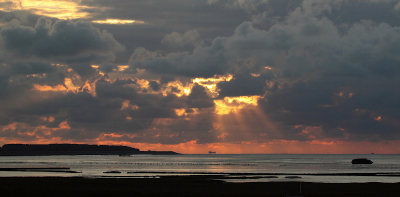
73, 149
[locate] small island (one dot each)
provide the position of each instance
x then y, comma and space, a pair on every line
73, 149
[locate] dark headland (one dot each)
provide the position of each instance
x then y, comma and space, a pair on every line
73, 149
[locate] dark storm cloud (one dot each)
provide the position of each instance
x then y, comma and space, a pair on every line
356, 11
129, 90
244, 84
220, 18
88, 116
3, 83
198, 98
315, 71
115, 90
320, 103
165, 79
84, 70
25, 17
18, 77
136, 35
74, 43
107, 67
29, 68
81, 111
182, 15
150, 112
204, 62
166, 17
84, 108
260, 48
301, 34
322, 69
154, 85
368, 53
190, 37
63, 40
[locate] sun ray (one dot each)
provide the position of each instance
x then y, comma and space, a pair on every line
118, 21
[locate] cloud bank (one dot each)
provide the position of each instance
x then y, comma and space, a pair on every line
279, 76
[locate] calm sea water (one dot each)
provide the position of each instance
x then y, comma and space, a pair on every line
146, 166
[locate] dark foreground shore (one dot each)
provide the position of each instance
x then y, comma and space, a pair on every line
184, 186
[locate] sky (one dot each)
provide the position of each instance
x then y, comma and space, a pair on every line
192, 76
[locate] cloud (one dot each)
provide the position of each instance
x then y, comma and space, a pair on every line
107, 67
350, 12
204, 62
248, 5
116, 90
244, 85
154, 85
198, 98
247, 44
29, 68
18, 77
63, 41
269, 72
300, 66
191, 37
297, 37
119, 107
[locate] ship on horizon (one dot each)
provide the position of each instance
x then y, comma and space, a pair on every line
212, 152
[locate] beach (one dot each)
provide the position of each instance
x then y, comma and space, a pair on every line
183, 186
231, 168
199, 175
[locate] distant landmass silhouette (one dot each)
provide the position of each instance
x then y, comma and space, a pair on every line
73, 149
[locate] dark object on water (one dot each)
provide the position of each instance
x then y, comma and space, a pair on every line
293, 177
113, 172
212, 152
361, 161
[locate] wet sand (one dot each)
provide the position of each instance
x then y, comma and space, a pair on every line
184, 186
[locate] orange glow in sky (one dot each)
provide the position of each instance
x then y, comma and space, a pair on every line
286, 147
122, 67
118, 21
69, 86
232, 104
61, 9
49, 88
211, 83
244, 147
183, 89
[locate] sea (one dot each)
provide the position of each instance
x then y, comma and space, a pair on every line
332, 168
